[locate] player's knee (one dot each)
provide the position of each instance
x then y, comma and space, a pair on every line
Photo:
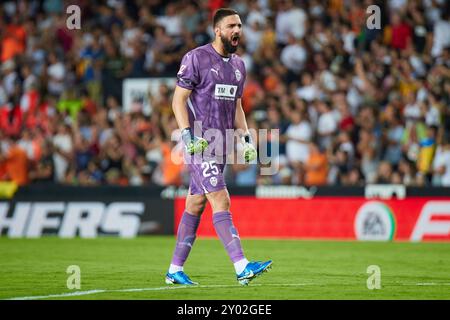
222, 203
196, 207
226, 203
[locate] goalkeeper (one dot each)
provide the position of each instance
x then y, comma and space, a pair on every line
208, 93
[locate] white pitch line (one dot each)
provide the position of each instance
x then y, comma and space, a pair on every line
432, 284
82, 293
71, 294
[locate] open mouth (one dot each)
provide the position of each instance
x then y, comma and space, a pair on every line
235, 40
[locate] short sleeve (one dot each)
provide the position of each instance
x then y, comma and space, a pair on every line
242, 83
188, 74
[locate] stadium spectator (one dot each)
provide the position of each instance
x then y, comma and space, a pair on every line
441, 166
407, 171
13, 162
375, 100
308, 90
326, 125
63, 149
400, 32
316, 167
392, 135
440, 33
298, 134
43, 170
293, 56
353, 178
290, 20
384, 174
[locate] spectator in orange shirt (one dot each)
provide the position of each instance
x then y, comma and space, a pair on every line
357, 17
14, 39
14, 163
316, 167
253, 93
171, 167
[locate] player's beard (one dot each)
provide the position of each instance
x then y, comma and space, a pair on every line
227, 46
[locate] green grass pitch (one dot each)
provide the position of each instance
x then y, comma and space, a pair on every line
135, 268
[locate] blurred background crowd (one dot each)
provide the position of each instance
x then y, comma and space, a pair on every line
353, 105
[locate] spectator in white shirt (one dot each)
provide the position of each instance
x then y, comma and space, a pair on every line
441, 166
63, 146
412, 110
441, 35
255, 16
308, 91
10, 76
171, 21
348, 38
253, 36
294, 55
326, 126
298, 134
56, 72
289, 20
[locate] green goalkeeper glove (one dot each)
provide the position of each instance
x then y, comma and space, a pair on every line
250, 153
192, 143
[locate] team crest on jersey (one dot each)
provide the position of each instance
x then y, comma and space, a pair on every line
238, 75
213, 181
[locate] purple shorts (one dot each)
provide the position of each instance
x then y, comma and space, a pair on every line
206, 176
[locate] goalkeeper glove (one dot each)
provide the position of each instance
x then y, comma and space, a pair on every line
192, 143
250, 153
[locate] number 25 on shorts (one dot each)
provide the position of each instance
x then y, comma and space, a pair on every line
211, 167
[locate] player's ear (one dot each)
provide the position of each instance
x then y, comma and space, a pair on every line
217, 28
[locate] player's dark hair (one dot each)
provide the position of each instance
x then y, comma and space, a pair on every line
222, 13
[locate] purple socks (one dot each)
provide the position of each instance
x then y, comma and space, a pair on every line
224, 228
228, 235
185, 238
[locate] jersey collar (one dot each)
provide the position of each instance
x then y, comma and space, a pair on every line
224, 58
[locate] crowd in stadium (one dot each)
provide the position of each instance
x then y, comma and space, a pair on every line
353, 105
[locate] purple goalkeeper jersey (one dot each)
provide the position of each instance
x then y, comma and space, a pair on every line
216, 83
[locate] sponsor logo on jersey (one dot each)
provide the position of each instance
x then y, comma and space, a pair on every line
225, 91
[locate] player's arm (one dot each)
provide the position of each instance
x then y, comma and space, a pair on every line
241, 124
180, 97
240, 121
193, 144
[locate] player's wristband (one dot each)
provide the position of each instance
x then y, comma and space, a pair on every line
187, 135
